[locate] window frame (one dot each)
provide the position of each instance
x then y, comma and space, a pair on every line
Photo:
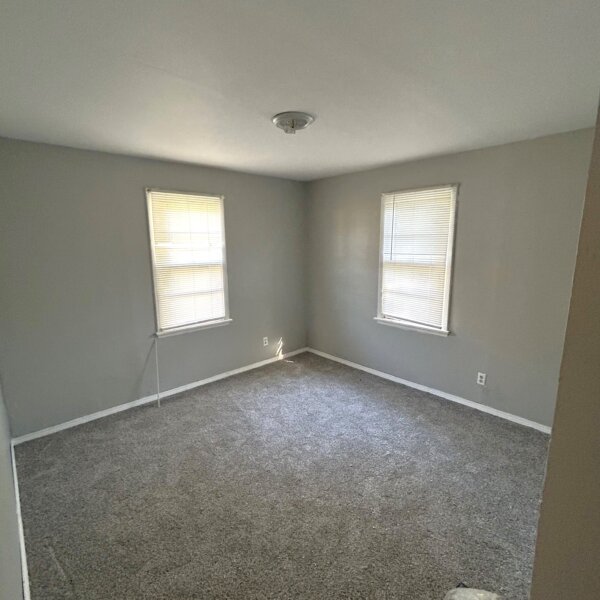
197, 325
444, 330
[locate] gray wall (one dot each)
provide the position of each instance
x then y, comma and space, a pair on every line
11, 587
77, 313
568, 547
519, 210
76, 306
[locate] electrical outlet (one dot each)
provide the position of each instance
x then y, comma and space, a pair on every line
265, 341
481, 378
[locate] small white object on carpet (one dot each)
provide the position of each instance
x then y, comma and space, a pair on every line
471, 594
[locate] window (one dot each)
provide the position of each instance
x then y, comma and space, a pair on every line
417, 234
187, 238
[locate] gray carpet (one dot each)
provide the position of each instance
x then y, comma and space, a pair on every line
302, 479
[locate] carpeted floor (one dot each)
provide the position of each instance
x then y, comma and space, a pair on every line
303, 479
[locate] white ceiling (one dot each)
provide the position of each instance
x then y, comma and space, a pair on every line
198, 80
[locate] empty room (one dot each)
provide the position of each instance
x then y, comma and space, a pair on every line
299, 299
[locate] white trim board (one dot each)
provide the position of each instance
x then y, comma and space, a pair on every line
189, 386
445, 395
24, 570
149, 399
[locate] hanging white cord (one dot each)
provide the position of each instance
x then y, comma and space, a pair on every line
157, 375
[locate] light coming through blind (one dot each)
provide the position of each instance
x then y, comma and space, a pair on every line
416, 256
188, 255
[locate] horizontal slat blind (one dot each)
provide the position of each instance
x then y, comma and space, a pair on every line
416, 249
188, 258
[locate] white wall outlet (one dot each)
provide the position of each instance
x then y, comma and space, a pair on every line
481, 378
265, 341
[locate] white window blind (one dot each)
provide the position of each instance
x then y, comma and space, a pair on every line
188, 256
416, 256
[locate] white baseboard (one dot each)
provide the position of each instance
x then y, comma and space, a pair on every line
189, 386
424, 388
24, 571
148, 399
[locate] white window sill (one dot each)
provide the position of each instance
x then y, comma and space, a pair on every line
194, 327
412, 326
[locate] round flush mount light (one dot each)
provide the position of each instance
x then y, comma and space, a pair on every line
292, 121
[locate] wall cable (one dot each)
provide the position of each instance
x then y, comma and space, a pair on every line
157, 371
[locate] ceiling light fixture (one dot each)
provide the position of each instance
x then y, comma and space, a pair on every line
292, 121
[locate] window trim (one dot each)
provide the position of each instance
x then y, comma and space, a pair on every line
198, 325
410, 325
